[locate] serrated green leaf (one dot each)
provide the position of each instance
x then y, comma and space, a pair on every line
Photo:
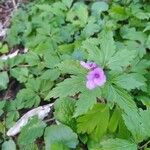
21, 74
4, 80
107, 49
26, 98
119, 13
15, 61
32, 58
145, 100
50, 74
120, 97
140, 66
132, 34
64, 109
67, 3
4, 49
59, 146
29, 147
145, 114
99, 7
71, 67
60, 133
138, 124
51, 59
114, 120
86, 99
95, 120
135, 46
91, 28
148, 42
131, 81
74, 15
68, 87
122, 58
2, 104
7, 145
118, 144
33, 130
147, 28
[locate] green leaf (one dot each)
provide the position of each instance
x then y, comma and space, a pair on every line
132, 34
103, 54
39, 86
145, 114
137, 123
95, 120
118, 144
64, 109
135, 46
51, 59
67, 3
122, 58
7, 145
32, 58
74, 15
99, 7
86, 99
21, 74
145, 100
4, 49
119, 13
91, 28
131, 81
107, 49
1, 65
114, 120
4, 80
68, 87
140, 66
148, 42
33, 130
45, 87
50, 74
2, 104
60, 133
147, 28
116, 94
19, 59
71, 67
2, 128
29, 147
26, 98
59, 146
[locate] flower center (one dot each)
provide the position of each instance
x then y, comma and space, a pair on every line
91, 65
97, 75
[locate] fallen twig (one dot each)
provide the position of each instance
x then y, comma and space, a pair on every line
14, 4
41, 112
5, 57
9, 56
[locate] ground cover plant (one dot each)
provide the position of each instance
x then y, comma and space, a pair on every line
87, 63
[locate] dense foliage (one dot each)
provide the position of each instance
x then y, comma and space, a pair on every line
59, 34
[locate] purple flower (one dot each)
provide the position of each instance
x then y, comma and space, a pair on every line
88, 65
95, 78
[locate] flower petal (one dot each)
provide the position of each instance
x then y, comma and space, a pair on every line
84, 64
100, 81
90, 75
90, 84
88, 65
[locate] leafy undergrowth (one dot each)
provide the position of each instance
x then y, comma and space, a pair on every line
59, 34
